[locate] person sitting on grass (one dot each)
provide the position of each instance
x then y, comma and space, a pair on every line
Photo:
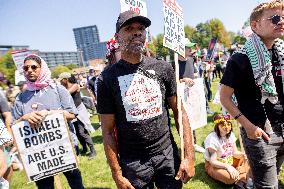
223, 161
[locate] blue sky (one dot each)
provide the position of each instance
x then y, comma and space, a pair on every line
47, 24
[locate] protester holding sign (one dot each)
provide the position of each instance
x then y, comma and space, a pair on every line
131, 97
255, 75
187, 73
41, 98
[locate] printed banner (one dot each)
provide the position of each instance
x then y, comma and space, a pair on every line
193, 99
47, 150
141, 96
211, 49
174, 27
138, 6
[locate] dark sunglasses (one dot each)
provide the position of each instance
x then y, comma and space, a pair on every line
275, 19
33, 67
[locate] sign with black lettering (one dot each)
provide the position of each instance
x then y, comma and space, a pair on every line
46, 150
174, 27
138, 6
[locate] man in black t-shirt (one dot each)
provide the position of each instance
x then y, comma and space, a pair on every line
132, 95
259, 93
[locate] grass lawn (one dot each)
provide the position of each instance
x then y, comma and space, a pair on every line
96, 173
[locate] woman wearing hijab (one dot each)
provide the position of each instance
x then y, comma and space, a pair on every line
41, 98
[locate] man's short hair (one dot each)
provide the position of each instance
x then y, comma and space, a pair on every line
258, 11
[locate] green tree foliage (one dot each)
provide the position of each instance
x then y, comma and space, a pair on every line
189, 32
71, 66
157, 46
203, 35
239, 39
56, 71
7, 66
218, 31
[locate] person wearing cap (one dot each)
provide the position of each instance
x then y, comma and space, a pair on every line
41, 98
187, 73
223, 161
82, 124
132, 95
255, 75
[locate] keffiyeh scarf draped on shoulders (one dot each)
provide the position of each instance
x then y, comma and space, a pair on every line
260, 60
44, 78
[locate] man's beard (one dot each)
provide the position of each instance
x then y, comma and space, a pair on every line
134, 48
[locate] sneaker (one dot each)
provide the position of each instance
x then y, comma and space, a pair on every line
198, 148
92, 155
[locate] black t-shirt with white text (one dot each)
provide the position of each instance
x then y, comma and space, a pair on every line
239, 76
136, 94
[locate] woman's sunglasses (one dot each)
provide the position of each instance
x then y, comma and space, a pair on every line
33, 67
275, 19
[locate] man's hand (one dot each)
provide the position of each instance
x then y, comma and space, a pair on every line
34, 118
254, 133
189, 82
233, 172
186, 170
122, 182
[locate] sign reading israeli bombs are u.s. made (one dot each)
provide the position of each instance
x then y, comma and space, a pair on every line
46, 150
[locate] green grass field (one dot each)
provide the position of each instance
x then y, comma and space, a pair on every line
96, 173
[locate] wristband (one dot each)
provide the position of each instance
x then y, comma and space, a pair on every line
239, 115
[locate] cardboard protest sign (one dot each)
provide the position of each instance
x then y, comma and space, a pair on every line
18, 57
47, 150
138, 6
174, 27
194, 102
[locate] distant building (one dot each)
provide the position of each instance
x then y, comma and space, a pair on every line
62, 58
5, 48
87, 40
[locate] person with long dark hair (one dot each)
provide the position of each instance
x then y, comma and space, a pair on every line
223, 161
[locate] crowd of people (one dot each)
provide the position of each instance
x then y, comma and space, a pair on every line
133, 95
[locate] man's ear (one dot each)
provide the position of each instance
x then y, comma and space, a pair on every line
117, 37
253, 25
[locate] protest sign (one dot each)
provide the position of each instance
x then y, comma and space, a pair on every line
46, 150
194, 102
173, 27
18, 57
138, 6
211, 49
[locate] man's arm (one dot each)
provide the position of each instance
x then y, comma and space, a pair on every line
253, 132
186, 170
8, 119
110, 147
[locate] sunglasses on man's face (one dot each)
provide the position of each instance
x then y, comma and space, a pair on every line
33, 67
275, 19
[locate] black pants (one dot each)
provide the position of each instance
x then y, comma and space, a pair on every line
73, 177
83, 135
159, 170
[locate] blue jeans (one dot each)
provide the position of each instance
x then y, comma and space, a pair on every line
73, 177
265, 157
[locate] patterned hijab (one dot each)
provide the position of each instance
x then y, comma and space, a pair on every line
44, 78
